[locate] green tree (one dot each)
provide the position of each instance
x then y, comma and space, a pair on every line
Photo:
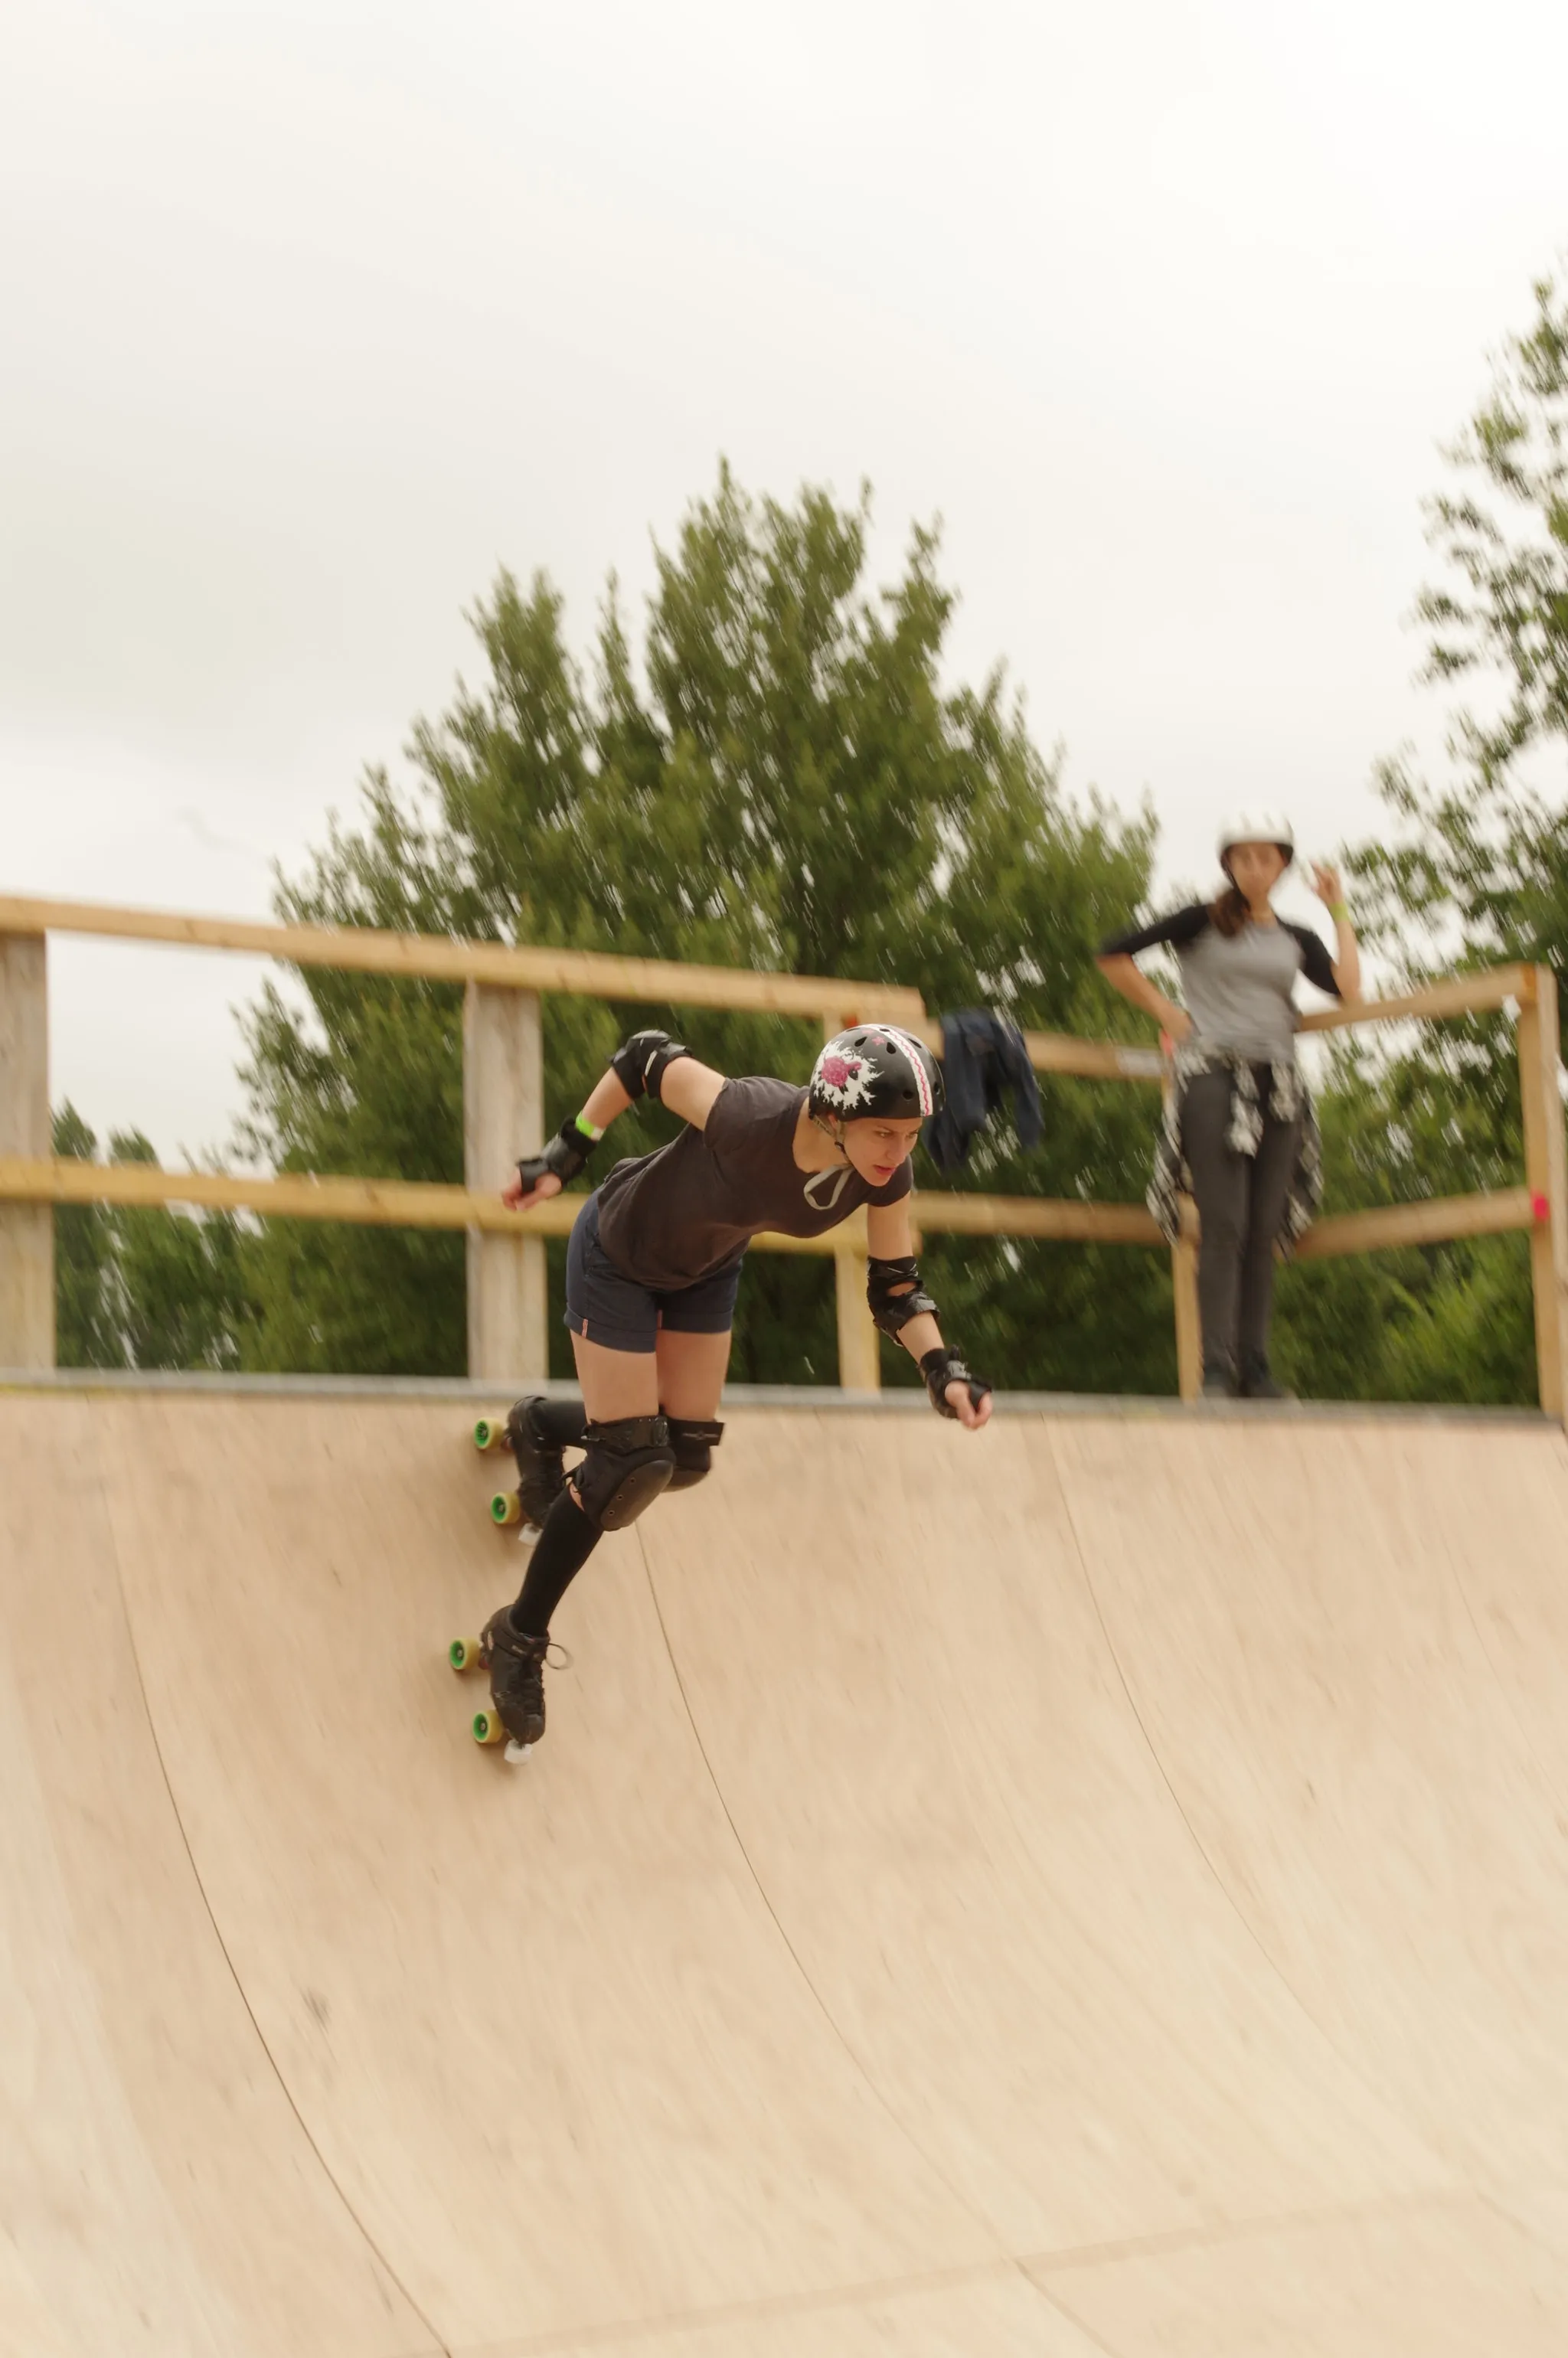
1473, 873
783, 781
143, 1287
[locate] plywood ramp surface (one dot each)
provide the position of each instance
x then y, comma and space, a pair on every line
1097, 1887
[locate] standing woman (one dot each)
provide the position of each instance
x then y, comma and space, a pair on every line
653, 1269
1239, 1129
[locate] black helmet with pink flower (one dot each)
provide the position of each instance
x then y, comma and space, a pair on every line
875, 1070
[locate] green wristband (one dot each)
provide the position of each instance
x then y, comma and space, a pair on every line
1339, 910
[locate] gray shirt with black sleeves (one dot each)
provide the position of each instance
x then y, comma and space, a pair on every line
1238, 989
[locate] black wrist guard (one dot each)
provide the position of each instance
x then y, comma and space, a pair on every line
566, 1155
890, 1308
640, 1063
945, 1366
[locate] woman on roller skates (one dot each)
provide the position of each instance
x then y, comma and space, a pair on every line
653, 1269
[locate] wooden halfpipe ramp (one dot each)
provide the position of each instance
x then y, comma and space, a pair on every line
1099, 1888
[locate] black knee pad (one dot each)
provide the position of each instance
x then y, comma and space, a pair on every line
628, 1461
693, 1442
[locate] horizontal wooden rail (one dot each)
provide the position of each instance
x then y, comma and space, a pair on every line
432, 957
1093, 1060
1436, 1219
602, 974
407, 1203
1036, 1216
296, 1195
1463, 994
362, 1202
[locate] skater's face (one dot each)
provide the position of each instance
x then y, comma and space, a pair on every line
876, 1148
1255, 869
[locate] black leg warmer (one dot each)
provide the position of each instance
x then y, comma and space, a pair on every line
563, 1547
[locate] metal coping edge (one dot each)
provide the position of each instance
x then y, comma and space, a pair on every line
815, 1397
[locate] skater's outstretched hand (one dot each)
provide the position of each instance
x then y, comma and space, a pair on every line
964, 1408
513, 1197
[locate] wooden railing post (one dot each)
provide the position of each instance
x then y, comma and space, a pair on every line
1546, 1175
503, 1117
26, 1230
1185, 1288
860, 1352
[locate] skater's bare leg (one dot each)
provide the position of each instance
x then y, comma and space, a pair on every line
683, 1378
617, 1383
691, 1371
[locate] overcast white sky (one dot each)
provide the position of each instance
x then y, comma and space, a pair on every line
311, 314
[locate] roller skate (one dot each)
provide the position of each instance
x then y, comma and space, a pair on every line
516, 1665
541, 1467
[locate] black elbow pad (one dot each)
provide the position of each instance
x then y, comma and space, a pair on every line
895, 1293
640, 1063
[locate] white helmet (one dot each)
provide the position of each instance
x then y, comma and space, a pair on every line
1256, 826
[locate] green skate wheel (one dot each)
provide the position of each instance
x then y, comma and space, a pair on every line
465, 1653
506, 1507
486, 1728
488, 1434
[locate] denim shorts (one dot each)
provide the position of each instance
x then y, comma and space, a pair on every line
603, 1306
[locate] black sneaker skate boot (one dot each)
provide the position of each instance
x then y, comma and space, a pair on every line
541, 1468
1259, 1383
516, 1665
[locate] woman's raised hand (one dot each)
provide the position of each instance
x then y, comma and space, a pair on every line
1328, 883
514, 1198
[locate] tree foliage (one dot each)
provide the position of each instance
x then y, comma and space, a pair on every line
782, 779
1477, 867
143, 1287
1473, 873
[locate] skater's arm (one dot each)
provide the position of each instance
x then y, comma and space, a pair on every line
692, 1090
657, 1067
1117, 961
893, 1276
1347, 964
1123, 974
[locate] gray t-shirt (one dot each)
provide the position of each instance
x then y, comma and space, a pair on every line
1239, 990
671, 1218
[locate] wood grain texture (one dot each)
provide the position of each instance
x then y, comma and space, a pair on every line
1431, 1220
1461, 994
436, 957
27, 1229
1093, 1887
504, 1119
1546, 1176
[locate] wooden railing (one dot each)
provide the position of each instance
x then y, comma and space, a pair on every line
503, 1117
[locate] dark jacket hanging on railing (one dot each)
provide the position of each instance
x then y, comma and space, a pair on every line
983, 1057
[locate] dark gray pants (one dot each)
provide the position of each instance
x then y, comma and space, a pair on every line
1241, 1201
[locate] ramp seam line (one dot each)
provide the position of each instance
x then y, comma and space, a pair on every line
1009, 2262
1275, 2223
1494, 1671
1372, 2087
621, 2332
862, 2074
438, 2343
